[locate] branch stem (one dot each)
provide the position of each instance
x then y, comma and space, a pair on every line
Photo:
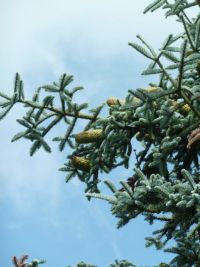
58, 111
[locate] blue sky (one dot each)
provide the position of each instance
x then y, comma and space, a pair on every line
41, 215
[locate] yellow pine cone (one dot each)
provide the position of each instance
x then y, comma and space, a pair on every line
185, 109
152, 89
89, 136
80, 163
114, 101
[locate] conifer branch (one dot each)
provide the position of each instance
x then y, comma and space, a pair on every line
58, 111
176, 86
188, 33
181, 68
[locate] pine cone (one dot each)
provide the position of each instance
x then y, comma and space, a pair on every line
114, 101
185, 109
80, 163
152, 89
89, 136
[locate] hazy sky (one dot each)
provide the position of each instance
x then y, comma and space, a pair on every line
41, 215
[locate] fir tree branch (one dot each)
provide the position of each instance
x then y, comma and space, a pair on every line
32, 104
188, 33
51, 125
181, 68
173, 82
176, 86
58, 111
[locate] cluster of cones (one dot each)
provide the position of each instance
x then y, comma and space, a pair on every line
96, 135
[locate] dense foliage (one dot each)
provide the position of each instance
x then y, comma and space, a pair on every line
164, 183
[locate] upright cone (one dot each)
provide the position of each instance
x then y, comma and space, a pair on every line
114, 101
152, 89
90, 136
80, 163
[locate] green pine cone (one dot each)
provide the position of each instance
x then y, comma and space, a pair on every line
80, 163
89, 136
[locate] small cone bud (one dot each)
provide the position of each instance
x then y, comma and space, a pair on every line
114, 101
185, 109
89, 136
152, 89
80, 163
